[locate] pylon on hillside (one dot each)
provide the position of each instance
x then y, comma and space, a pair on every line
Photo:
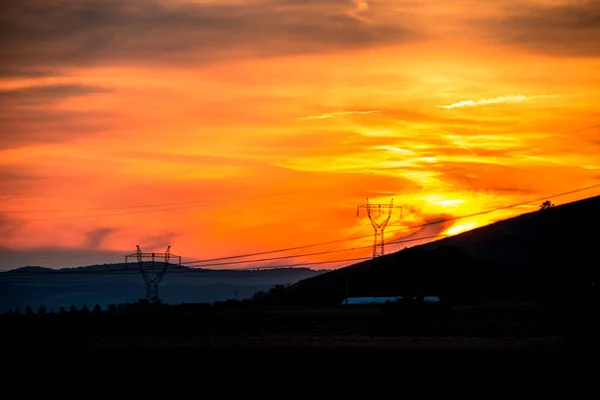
152, 282
378, 227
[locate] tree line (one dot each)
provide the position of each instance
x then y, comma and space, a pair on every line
145, 306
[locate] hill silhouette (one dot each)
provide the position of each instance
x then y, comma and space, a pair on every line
539, 256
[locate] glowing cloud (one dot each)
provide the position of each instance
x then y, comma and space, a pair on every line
361, 5
337, 114
460, 228
471, 103
396, 150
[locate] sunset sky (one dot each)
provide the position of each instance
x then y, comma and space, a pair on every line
224, 127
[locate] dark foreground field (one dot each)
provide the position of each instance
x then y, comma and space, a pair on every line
353, 346
520, 327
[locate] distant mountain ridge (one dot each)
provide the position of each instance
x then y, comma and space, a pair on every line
134, 267
120, 283
30, 269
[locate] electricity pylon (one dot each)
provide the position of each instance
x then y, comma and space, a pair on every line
378, 228
152, 282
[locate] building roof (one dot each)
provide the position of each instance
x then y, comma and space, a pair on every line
382, 300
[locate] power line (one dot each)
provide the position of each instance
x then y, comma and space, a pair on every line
132, 271
203, 262
177, 269
326, 262
302, 254
397, 230
315, 254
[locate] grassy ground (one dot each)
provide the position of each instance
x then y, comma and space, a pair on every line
344, 327
315, 342
278, 341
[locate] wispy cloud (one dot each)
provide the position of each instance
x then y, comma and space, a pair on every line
471, 103
338, 114
359, 6
74, 34
97, 236
564, 28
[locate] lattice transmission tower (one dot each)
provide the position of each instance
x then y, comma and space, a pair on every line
378, 227
152, 282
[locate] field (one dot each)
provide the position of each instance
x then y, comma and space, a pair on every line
300, 342
518, 327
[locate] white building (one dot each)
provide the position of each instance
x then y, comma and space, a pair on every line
382, 300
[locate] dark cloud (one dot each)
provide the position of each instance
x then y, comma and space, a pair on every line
11, 176
96, 237
31, 181
27, 114
15, 71
67, 33
566, 30
16, 183
8, 230
56, 257
29, 126
12, 194
431, 225
44, 95
158, 242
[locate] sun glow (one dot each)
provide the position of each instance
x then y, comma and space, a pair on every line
460, 228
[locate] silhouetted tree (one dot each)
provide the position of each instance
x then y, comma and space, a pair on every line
17, 311
9, 312
42, 310
29, 310
62, 310
259, 295
85, 309
97, 309
73, 309
546, 205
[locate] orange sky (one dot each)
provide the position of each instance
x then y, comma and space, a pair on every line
274, 119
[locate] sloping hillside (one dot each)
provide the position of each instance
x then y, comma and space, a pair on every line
546, 253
